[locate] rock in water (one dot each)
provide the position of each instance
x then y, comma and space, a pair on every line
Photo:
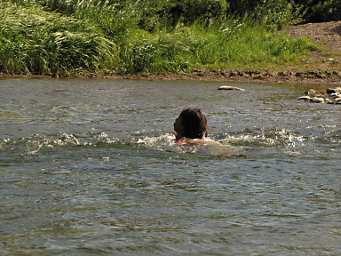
336, 91
330, 96
317, 100
329, 101
305, 98
230, 88
311, 93
333, 95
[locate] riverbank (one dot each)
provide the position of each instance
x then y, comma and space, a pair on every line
318, 67
38, 43
38, 40
307, 77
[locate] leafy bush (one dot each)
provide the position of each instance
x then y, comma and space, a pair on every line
321, 10
276, 13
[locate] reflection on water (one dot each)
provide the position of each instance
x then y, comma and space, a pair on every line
91, 168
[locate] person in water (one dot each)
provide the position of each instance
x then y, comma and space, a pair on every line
191, 127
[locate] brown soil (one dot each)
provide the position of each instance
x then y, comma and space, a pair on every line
306, 77
326, 34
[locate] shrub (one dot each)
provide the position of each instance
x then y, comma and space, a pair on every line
276, 13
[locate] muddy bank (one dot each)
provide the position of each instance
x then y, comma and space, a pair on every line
305, 77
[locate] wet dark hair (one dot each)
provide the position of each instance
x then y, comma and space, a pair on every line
191, 123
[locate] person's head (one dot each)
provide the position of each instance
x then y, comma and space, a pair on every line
191, 123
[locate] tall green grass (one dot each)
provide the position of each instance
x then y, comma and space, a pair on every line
33, 40
65, 37
217, 47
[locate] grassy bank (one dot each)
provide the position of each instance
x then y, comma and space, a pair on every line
37, 38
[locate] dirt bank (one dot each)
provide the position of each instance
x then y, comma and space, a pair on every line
332, 77
307, 77
328, 36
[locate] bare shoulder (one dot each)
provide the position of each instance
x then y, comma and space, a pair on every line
187, 141
211, 147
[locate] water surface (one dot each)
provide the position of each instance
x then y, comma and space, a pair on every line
91, 168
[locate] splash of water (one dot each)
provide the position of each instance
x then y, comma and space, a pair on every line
165, 142
270, 138
276, 138
35, 143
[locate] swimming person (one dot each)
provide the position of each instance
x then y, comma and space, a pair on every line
191, 127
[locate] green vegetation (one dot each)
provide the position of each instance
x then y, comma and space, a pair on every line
222, 47
320, 10
36, 41
68, 37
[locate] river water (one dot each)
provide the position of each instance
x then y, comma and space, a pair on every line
91, 168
